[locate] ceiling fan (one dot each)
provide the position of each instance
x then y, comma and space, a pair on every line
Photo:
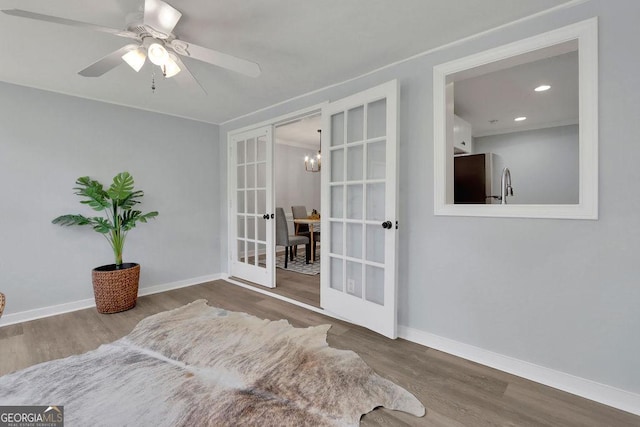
152, 31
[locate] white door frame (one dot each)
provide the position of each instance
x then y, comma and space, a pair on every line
274, 122
290, 117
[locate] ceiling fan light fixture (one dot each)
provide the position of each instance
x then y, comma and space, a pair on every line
135, 58
151, 27
157, 54
170, 67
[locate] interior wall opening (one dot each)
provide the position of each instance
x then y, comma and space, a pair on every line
297, 169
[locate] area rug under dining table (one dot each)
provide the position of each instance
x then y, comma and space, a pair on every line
201, 365
298, 265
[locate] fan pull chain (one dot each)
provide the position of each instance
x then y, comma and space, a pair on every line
153, 82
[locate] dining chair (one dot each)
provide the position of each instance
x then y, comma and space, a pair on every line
283, 238
303, 229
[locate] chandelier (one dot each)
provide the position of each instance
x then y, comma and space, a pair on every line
313, 164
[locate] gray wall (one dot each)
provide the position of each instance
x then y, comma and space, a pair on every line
543, 164
48, 140
294, 185
562, 294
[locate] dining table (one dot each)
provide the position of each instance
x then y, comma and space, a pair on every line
310, 222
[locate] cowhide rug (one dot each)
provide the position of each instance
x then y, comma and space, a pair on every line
199, 365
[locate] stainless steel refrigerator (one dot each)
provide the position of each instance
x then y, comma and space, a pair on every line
474, 178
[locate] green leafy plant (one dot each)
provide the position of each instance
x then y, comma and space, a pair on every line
117, 202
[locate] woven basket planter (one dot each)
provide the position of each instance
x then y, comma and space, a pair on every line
2, 301
115, 290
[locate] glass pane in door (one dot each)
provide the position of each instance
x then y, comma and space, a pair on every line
241, 250
375, 202
337, 203
377, 118
354, 240
251, 202
354, 278
354, 201
354, 163
251, 175
336, 237
375, 243
375, 285
376, 159
337, 129
355, 123
336, 267
337, 165
251, 150
251, 228
241, 228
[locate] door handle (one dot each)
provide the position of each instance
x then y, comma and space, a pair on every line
387, 224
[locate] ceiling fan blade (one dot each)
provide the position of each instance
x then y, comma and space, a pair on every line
214, 57
69, 22
160, 16
186, 79
107, 63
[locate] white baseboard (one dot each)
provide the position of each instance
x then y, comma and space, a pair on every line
588, 389
38, 313
52, 310
179, 284
602, 393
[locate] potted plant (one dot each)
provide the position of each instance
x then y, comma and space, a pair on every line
115, 286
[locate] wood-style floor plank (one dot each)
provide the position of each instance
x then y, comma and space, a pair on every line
303, 288
456, 392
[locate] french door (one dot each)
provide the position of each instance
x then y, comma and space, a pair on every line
359, 198
251, 212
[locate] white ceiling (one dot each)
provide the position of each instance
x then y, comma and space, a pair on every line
300, 133
300, 45
490, 102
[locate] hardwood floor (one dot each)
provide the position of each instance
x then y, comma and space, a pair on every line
300, 287
297, 286
455, 392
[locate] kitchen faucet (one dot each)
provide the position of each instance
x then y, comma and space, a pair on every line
505, 184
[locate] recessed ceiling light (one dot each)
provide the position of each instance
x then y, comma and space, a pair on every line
542, 88
519, 119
